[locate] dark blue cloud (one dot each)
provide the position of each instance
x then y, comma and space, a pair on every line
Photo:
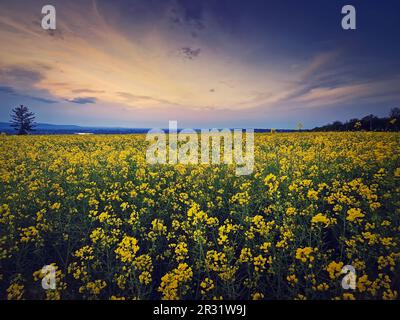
85, 100
190, 53
25, 77
11, 91
6, 89
44, 100
20, 73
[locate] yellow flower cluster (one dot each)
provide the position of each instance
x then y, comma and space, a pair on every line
334, 269
354, 214
305, 254
127, 249
245, 255
206, 285
321, 219
94, 287
174, 281
15, 291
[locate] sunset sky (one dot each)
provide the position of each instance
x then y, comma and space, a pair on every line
205, 63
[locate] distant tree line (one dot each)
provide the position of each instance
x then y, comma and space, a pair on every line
368, 123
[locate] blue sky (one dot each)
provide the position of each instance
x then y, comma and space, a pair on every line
204, 63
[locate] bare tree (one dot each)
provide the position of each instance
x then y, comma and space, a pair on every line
22, 120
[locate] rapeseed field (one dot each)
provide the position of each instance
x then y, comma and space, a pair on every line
115, 227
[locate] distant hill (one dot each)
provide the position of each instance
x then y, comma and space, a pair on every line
47, 128
43, 126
